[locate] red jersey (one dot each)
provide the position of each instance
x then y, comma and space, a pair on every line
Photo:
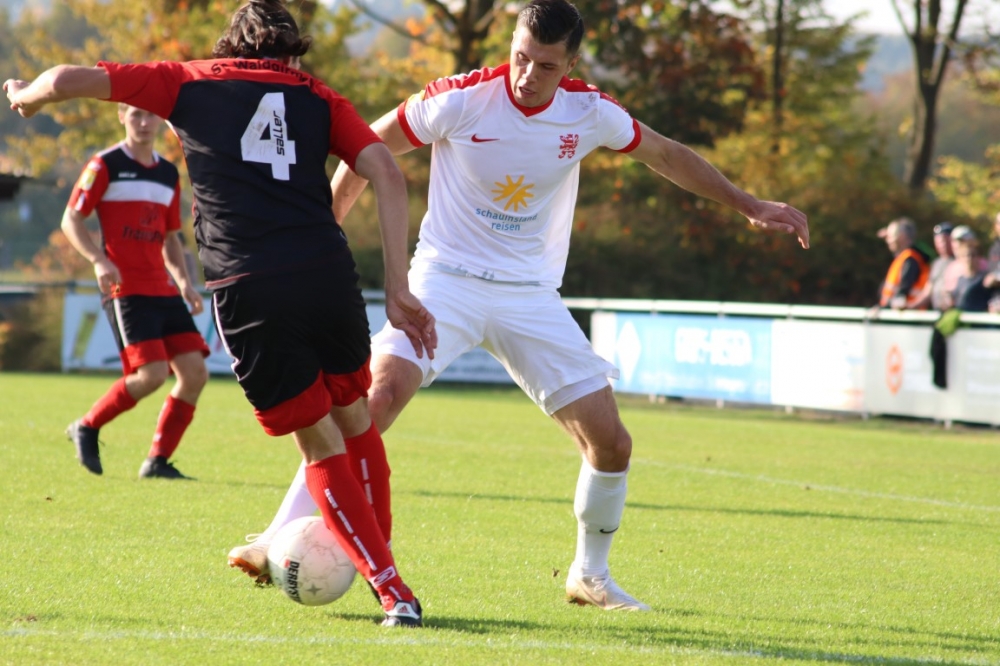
136, 206
256, 135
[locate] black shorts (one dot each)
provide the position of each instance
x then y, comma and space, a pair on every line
288, 334
152, 328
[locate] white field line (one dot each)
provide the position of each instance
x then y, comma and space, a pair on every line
767, 479
813, 486
426, 638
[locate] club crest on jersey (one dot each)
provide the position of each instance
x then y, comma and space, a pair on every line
514, 193
567, 148
88, 176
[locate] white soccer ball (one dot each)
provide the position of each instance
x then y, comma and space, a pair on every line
308, 564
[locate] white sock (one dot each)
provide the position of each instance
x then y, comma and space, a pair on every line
297, 503
599, 503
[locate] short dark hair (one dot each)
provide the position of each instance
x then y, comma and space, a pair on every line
262, 29
552, 22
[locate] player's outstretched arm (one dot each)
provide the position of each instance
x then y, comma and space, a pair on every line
686, 168
347, 185
405, 311
59, 83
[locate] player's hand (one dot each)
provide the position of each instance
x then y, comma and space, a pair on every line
777, 216
12, 87
194, 300
108, 277
408, 314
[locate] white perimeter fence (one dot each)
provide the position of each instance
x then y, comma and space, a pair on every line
826, 358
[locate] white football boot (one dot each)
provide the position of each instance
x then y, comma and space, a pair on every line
601, 591
252, 559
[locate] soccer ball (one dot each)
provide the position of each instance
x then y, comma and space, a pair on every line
308, 564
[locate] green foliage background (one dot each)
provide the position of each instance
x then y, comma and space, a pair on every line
697, 73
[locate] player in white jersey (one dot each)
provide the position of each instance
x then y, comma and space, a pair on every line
506, 145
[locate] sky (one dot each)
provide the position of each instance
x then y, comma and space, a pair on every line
880, 15
881, 18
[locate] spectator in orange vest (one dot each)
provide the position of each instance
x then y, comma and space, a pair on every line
909, 271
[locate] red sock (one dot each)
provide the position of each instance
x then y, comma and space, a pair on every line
111, 404
174, 419
347, 513
368, 462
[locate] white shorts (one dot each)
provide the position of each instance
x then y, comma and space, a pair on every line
527, 328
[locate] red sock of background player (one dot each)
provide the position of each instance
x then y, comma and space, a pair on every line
174, 419
366, 453
110, 405
347, 513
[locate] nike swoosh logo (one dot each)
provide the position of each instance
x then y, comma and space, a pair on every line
604, 531
476, 139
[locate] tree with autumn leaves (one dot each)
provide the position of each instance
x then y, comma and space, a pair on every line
773, 113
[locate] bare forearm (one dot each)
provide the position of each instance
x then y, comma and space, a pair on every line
347, 186
684, 167
375, 163
390, 197
689, 170
79, 237
173, 257
57, 84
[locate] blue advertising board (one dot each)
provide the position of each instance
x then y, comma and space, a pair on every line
692, 356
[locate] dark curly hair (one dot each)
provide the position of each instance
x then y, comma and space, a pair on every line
262, 29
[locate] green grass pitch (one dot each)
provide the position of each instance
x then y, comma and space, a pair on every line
757, 538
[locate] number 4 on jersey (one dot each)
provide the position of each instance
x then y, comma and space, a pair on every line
266, 137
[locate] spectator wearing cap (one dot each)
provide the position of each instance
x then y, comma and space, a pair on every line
910, 269
933, 293
970, 293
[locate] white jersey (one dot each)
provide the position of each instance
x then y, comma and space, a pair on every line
504, 177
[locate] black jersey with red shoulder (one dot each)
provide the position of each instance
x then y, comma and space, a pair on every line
256, 135
136, 205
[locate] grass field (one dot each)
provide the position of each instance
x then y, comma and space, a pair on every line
756, 537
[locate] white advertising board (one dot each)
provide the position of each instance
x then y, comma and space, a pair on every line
898, 375
88, 343
818, 365
973, 391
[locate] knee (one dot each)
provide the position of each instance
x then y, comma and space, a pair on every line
148, 379
194, 378
613, 453
622, 447
380, 406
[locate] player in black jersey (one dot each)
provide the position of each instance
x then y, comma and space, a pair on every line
256, 133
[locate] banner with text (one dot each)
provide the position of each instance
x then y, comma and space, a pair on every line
88, 343
687, 356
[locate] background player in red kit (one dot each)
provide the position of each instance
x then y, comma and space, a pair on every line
136, 194
256, 134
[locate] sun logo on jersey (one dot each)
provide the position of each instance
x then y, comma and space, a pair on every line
515, 192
